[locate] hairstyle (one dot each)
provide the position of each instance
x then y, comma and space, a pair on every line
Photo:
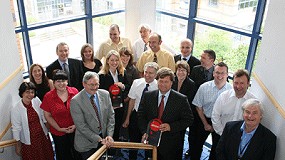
153, 65
182, 64
106, 67
83, 49
187, 40
44, 77
157, 35
222, 64
164, 72
126, 51
253, 102
146, 26
88, 75
240, 73
26, 86
211, 54
114, 26
60, 44
59, 75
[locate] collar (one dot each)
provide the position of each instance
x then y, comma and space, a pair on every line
166, 94
61, 62
188, 57
242, 129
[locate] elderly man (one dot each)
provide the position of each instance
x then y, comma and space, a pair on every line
204, 101
114, 43
162, 57
139, 86
186, 49
93, 116
174, 111
228, 105
247, 139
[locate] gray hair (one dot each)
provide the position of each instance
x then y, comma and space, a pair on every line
88, 75
253, 102
151, 65
146, 26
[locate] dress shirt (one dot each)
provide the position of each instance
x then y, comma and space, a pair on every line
137, 89
138, 49
187, 58
245, 139
166, 95
109, 45
164, 59
206, 96
96, 101
61, 63
228, 108
115, 76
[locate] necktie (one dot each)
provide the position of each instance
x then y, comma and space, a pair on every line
96, 110
66, 70
161, 107
155, 58
185, 59
145, 88
145, 47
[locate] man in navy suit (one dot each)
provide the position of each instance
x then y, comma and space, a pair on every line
186, 49
247, 139
176, 115
72, 67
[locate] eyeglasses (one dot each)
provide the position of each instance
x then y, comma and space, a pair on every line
92, 85
155, 58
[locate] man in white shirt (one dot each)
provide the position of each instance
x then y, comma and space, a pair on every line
139, 86
228, 106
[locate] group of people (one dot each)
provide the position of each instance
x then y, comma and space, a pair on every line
85, 103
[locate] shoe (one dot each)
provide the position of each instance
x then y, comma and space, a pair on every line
187, 153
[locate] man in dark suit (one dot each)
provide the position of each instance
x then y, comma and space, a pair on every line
72, 67
204, 72
176, 115
93, 115
247, 139
186, 49
200, 74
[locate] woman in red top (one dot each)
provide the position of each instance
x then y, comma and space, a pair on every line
56, 106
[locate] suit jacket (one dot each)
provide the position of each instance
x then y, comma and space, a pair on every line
75, 71
86, 122
193, 61
106, 80
177, 114
198, 75
261, 147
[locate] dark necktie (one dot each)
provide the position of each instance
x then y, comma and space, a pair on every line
161, 107
96, 110
66, 70
145, 47
145, 88
185, 59
155, 58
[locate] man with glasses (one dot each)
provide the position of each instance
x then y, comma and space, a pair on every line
186, 49
162, 57
93, 116
228, 106
204, 101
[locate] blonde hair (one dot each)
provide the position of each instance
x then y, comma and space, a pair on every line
106, 66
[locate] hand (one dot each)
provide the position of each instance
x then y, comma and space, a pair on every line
120, 84
164, 127
71, 129
18, 148
144, 139
108, 141
64, 130
208, 127
126, 123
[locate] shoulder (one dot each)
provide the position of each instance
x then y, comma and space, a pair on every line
102, 92
177, 57
266, 132
233, 125
72, 90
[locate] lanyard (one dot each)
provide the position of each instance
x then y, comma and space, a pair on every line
242, 149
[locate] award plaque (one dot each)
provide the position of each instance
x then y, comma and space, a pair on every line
154, 134
116, 96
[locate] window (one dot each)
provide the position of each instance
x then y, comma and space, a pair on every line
247, 4
213, 3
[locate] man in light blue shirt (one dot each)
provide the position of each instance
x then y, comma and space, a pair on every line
204, 101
